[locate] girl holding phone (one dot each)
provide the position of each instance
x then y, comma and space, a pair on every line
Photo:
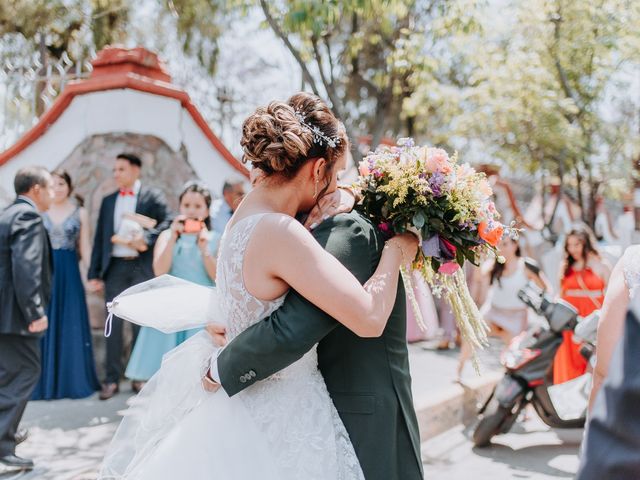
186, 250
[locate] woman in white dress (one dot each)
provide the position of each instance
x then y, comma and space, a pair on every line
496, 289
285, 427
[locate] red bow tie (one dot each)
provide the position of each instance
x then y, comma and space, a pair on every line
124, 193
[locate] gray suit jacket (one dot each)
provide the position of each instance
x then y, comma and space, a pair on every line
368, 378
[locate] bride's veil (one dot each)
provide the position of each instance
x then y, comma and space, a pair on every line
166, 303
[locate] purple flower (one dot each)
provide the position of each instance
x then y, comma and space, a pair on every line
406, 142
431, 247
439, 248
435, 184
468, 225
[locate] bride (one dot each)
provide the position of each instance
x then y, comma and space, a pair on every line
286, 427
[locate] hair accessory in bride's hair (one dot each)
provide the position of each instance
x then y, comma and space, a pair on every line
318, 136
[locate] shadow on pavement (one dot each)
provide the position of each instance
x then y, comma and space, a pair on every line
532, 453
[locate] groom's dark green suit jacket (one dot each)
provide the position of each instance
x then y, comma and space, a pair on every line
368, 378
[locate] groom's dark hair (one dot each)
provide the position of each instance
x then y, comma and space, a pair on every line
131, 158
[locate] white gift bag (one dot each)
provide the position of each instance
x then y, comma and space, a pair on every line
166, 303
571, 398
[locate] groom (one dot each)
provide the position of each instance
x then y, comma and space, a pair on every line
368, 378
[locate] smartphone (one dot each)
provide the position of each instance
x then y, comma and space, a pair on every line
192, 226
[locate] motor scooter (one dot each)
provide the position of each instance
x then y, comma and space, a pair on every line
528, 379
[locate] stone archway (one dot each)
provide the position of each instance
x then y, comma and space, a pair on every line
91, 162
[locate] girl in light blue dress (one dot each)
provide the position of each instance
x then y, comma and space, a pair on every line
186, 250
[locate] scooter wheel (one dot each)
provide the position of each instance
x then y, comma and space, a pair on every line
490, 424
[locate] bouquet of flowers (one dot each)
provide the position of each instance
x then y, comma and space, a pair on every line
449, 205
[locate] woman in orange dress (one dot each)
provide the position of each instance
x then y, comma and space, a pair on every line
584, 280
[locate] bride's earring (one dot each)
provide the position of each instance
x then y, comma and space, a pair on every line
315, 192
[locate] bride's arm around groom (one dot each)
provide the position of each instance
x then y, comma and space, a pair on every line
368, 378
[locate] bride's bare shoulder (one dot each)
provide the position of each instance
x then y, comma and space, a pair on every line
279, 229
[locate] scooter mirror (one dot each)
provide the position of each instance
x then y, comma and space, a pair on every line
533, 297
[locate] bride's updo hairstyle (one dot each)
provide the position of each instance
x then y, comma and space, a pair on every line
282, 137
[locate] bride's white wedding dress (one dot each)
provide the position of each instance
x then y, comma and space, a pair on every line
283, 428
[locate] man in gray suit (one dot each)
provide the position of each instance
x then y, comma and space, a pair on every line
25, 288
368, 378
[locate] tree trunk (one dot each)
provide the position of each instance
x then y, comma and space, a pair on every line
579, 184
41, 81
411, 121
377, 130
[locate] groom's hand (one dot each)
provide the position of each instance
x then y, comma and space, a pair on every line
209, 384
217, 333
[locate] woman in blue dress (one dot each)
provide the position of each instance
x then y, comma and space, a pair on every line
185, 250
68, 366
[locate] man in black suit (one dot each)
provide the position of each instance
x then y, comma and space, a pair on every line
117, 262
25, 290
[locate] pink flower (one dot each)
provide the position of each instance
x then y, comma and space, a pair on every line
449, 268
485, 188
385, 227
436, 160
464, 171
363, 168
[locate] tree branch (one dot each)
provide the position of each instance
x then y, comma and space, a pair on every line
296, 54
562, 74
327, 45
333, 96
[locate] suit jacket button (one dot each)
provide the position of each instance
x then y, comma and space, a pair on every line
243, 379
252, 374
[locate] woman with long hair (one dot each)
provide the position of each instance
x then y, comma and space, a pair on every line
68, 366
583, 280
496, 287
186, 250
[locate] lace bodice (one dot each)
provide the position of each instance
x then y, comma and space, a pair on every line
64, 235
240, 307
293, 407
631, 262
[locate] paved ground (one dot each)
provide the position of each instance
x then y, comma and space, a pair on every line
530, 451
68, 437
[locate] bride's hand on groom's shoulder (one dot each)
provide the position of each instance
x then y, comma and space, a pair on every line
218, 333
341, 200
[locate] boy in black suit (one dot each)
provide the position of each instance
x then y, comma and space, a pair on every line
118, 263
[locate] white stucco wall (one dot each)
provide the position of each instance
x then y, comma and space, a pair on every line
116, 111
